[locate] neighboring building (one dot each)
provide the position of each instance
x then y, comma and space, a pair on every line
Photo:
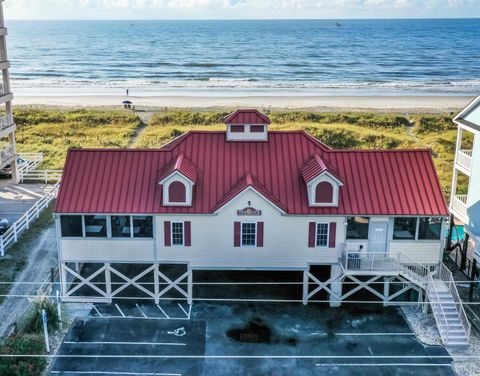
465, 205
7, 126
249, 199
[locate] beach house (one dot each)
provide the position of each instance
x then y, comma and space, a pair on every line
248, 198
8, 163
465, 194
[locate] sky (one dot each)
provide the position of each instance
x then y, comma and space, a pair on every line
234, 9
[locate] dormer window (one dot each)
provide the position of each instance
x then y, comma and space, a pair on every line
247, 125
177, 179
323, 184
324, 193
177, 192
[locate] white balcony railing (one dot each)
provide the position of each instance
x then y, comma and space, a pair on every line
464, 159
5, 121
354, 261
459, 205
6, 154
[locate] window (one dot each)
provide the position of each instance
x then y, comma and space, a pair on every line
324, 193
71, 225
237, 128
177, 192
322, 235
404, 228
430, 229
121, 227
249, 234
177, 233
96, 226
142, 226
257, 128
357, 228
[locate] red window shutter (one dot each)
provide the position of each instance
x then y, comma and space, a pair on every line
167, 233
236, 234
260, 234
333, 235
188, 234
311, 234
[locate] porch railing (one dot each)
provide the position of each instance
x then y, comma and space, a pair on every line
6, 154
5, 121
459, 204
413, 268
464, 158
368, 261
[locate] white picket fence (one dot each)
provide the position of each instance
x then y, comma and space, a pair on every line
23, 223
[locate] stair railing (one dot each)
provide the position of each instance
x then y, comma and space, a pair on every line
437, 308
413, 267
446, 276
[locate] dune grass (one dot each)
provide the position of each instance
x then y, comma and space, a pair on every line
348, 130
53, 132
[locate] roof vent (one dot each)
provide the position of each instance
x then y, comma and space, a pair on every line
247, 125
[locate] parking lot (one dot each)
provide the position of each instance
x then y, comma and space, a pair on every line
248, 339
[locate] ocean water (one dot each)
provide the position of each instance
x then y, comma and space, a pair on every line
234, 57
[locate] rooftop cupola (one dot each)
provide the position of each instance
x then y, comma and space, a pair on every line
247, 125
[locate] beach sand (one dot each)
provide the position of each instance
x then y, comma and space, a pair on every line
329, 103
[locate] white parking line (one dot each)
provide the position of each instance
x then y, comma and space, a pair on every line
165, 313
126, 343
116, 373
96, 310
381, 365
186, 313
119, 310
143, 313
363, 334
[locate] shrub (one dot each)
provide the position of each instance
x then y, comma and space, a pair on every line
26, 344
34, 323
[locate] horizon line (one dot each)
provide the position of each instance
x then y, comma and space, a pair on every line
244, 19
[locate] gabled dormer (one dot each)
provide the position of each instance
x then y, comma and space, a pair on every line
247, 125
178, 179
323, 186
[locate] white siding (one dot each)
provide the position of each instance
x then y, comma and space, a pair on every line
104, 250
424, 252
285, 239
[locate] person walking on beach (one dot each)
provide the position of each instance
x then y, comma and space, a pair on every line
127, 92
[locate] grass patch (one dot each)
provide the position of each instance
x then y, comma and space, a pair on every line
16, 256
53, 132
28, 344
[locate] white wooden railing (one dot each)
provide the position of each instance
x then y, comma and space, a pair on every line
459, 204
413, 269
446, 277
5, 121
464, 158
6, 154
23, 223
368, 261
41, 175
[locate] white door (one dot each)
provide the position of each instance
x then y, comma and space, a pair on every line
378, 237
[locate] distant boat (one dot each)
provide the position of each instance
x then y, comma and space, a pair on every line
338, 24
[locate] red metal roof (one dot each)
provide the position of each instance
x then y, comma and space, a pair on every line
314, 167
375, 182
181, 164
247, 116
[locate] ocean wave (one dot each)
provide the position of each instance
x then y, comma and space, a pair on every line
154, 83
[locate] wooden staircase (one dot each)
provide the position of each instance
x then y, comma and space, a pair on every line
439, 286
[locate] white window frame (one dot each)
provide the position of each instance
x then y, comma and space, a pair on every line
316, 234
312, 186
183, 234
241, 234
176, 176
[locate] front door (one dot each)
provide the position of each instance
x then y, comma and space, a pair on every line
378, 237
